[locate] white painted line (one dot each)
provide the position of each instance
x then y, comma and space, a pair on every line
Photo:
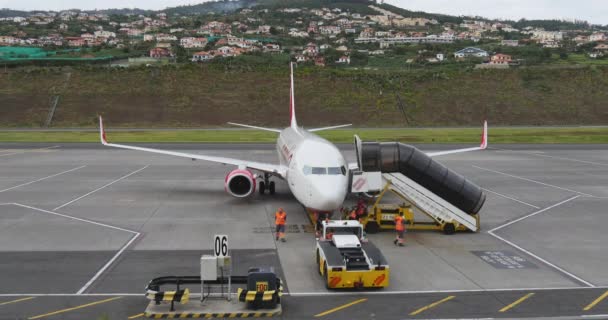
26, 151
102, 187
359, 293
108, 264
491, 232
587, 283
312, 294
534, 181
533, 214
595, 315
51, 176
510, 198
556, 157
75, 218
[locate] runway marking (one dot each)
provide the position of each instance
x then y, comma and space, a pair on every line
511, 198
491, 232
108, 264
41, 179
588, 284
533, 214
432, 305
26, 151
556, 157
15, 301
596, 301
102, 187
534, 181
75, 218
136, 316
314, 294
111, 261
73, 308
516, 302
340, 308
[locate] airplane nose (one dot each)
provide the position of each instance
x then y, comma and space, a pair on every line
328, 197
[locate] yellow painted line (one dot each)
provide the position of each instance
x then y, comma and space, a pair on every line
340, 307
136, 316
432, 305
15, 301
596, 301
516, 302
73, 308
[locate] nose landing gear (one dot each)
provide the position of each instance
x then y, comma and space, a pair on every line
266, 184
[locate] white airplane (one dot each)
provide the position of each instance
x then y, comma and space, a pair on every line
315, 170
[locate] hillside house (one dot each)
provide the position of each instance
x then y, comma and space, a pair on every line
158, 53
601, 47
470, 52
192, 42
272, 48
342, 48
509, 43
320, 61
501, 59
344, 60
76, 41
201, 56
311, 49
598, 37
329, 30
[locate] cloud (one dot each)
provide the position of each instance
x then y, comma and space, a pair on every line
594, 11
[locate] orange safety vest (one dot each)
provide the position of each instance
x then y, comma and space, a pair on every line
399, 223
279, 218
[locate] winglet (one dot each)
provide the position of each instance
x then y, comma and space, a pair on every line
102, 132
484, 136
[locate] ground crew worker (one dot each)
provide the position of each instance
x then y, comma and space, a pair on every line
280, 217
399, 228
361, 207
352, 215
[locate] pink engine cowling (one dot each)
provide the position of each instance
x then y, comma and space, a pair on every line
240, 183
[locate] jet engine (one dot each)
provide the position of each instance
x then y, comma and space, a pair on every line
240, 183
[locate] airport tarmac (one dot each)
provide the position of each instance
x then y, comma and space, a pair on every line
84, 228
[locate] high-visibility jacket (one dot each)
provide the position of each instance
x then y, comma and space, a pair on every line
280, 218
399, 223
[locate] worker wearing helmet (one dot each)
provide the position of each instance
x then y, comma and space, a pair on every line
280, 217
399, 228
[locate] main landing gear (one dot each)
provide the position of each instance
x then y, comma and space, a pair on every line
266, 184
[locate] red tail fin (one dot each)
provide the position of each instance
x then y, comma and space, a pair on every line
292, 104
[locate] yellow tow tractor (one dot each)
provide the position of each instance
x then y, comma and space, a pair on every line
346, 259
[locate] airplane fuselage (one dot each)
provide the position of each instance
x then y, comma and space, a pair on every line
317, 173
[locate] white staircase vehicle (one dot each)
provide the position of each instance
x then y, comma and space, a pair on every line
431, 204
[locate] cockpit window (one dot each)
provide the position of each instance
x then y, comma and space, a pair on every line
318, 170
307, 170
334, 170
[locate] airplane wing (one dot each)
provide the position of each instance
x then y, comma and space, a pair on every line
482, 146
264, 167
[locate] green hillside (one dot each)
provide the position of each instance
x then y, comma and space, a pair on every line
211, 95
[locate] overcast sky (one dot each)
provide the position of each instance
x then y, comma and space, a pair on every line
594, 11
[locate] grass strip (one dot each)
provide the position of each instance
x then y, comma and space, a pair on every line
435, 135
